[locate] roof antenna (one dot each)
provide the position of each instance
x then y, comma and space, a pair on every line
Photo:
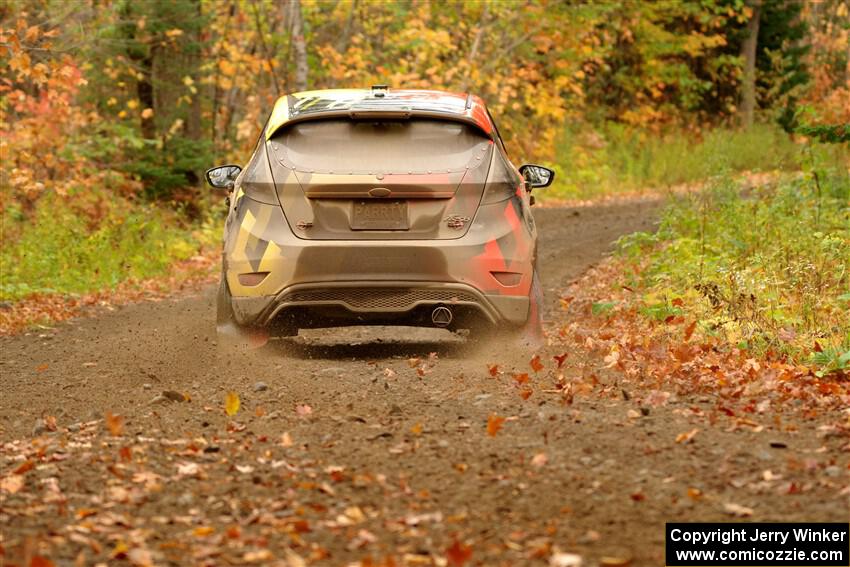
380, 91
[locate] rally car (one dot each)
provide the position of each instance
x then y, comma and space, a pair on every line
378, 207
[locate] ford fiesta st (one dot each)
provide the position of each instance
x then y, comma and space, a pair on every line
378, 207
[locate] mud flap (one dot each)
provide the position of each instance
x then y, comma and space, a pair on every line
530, 335
230, 333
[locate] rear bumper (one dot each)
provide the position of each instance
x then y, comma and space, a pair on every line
378, 302
379, 281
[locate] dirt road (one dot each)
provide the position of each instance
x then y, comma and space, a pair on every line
381, 457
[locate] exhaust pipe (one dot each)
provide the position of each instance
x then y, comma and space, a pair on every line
441, 316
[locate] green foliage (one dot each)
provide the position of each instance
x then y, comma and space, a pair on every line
166, 168
621, 159
56, 250
768, 267
827, 133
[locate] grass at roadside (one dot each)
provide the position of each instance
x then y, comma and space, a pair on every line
767, 270
593, 163
59, 250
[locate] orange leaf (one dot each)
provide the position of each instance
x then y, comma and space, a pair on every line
521, 378
126, 454
50, 422
560, 359
458, 554
39, 561
42, 367
525, 393
687, 436
494, 369
25, 467
689, 330
494, 424
203, 531
536, 365
115, 424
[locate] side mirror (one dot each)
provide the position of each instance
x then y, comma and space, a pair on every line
223, 176
537, 176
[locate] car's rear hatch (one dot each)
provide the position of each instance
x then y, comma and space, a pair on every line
379, 177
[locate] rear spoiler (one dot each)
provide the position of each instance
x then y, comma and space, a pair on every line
369, 114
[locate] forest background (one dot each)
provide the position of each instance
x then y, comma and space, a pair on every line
111, 110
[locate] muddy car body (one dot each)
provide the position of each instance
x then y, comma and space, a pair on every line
378, 206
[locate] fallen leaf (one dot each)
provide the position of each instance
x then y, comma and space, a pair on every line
539, 460
12, 483
493, 369
614, 561
416, 429
39, 561
521, 378
458, 554
560, 359
689, 330
115, 424
140, 556
695, 494
42, 367
494, 424
286, 439
231, 403
260, 556
737, 510
525, 393
203, 531
303, 410
565, 560
612, 359
49, 422
120, 550
686, 437
536, 365
26, 466
188, 469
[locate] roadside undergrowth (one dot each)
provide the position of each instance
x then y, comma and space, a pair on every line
609, 343
41, 310
765, 270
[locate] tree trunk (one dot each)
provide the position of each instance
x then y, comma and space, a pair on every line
748, 52
193, 120
476, 45
144, 90
300, 45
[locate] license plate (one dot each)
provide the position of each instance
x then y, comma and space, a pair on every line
380, 215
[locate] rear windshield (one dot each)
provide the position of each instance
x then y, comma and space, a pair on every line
386, 146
